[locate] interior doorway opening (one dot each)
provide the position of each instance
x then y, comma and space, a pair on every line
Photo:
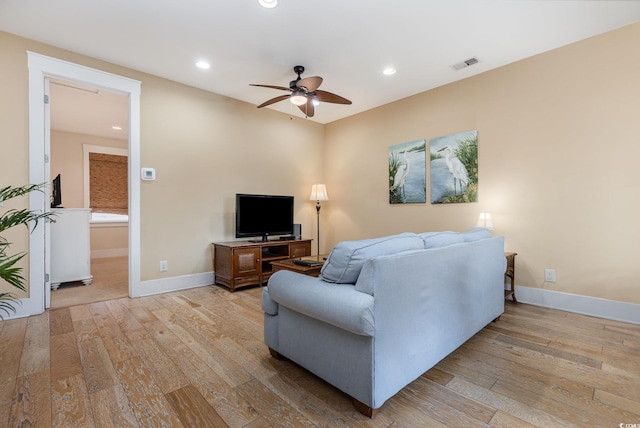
89, 146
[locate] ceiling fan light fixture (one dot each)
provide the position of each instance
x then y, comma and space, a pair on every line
268, 4
298, 99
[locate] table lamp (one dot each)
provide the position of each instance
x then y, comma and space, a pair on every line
484, 221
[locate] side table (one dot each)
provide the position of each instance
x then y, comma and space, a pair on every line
511, 274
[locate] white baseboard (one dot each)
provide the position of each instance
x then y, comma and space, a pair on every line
174, 283
585, 305
110, 252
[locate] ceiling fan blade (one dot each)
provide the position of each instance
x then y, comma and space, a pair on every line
274, 100
308, 109
311, 83
328, 97
271, 86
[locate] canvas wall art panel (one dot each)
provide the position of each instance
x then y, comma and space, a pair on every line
407, 173
454, 168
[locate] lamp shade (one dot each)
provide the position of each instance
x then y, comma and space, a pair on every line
318, 193
484, 221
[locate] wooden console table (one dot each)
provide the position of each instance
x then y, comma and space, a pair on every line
239, 264
511, 274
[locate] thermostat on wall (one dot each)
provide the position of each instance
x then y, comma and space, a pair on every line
148, 173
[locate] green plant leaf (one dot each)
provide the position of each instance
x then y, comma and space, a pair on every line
17, 217
10, 273
6, 304
9, 192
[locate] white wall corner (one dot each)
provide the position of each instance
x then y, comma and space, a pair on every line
585, 305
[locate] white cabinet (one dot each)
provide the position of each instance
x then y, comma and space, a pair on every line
70, 246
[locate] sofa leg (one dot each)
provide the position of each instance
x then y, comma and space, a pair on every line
497, 319
364, 409
275, 354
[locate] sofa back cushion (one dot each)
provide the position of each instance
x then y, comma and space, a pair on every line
441, 239
347, 258
476, 234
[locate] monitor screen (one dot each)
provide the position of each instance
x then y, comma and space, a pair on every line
56, 192
263, 215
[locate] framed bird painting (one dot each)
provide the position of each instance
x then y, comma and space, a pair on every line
407, 173
454, 168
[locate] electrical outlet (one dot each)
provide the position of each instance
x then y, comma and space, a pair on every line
549, 275
164, 266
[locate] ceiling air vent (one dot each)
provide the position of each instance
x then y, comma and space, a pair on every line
464, 64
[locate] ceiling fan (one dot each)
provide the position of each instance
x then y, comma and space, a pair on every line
303, 92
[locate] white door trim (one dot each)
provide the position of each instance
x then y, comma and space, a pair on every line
41, 67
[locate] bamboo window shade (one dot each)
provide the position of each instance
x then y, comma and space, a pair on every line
108, 183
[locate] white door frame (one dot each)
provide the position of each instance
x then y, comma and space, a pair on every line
40, 68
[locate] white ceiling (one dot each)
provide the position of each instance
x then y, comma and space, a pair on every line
86, 110
347, 42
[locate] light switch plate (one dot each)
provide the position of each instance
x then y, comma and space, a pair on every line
550, 275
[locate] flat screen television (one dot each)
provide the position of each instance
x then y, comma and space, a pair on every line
263, 216
56, 192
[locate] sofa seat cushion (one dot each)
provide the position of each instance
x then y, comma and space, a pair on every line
347, 258
337, 304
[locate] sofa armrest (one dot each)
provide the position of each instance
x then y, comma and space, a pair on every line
269, 306
340, 305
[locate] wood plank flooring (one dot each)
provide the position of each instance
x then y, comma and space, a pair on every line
196, 358
110, 281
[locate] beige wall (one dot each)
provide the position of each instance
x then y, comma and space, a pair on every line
205, 148
111, 241
559, 144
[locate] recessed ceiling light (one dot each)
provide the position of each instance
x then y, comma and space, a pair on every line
389, 71
203, 65
116, 128
315, 102
269, 4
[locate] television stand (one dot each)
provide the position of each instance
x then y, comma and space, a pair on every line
239, 264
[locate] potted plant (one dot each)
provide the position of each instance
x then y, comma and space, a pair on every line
9, 272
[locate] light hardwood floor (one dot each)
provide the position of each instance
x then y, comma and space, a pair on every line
196, 358
110, 281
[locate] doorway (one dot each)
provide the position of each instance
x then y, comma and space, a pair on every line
41, 69
89, 130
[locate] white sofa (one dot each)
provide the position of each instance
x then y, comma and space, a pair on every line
386, 310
